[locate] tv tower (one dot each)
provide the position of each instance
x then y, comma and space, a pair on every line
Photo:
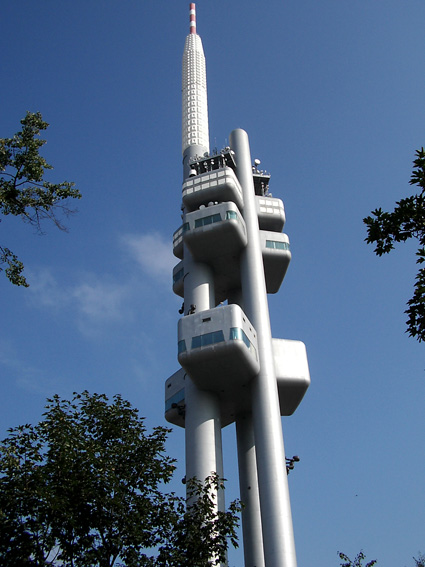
232, 254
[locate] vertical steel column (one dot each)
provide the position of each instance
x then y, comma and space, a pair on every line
248, 479
278, 537
248, 482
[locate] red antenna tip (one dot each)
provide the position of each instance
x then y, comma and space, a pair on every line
192, 17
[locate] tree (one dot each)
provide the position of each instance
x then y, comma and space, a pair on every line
84, 488
357, 562
23, 190
405, 222
420, 561
360, 557
200, 533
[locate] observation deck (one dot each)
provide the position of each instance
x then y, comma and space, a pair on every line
210, 232
292, 375
212, 186
178, 279
224, 257
271, 213
218, 348
214, 230
276, 258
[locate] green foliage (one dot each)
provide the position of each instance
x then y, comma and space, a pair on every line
84, 488
356, 562
405, 222
360, 557
23, 190
420, 561
14, 267
200, 523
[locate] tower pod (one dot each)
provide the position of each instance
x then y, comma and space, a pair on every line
218, 185
271, 213
276, 258
218, 244
178, 279
218, 347
292, 375
215, 230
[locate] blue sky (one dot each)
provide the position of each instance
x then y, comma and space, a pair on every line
332, 96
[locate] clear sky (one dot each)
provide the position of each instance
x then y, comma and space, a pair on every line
332, 96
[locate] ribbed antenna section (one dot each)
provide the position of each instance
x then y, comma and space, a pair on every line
194, 91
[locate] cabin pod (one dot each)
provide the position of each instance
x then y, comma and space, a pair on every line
218, 348
217, 185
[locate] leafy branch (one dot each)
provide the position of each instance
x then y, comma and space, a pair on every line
23, 190
356, 562
405, 222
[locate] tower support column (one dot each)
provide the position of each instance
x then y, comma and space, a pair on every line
278, 537
203, 434
248, 482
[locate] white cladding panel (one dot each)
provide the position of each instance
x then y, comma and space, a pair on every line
194, 95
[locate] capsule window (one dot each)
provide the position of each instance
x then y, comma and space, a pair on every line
231, 215
238, 334
277, 245
207, 339
178, 275
210, 219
